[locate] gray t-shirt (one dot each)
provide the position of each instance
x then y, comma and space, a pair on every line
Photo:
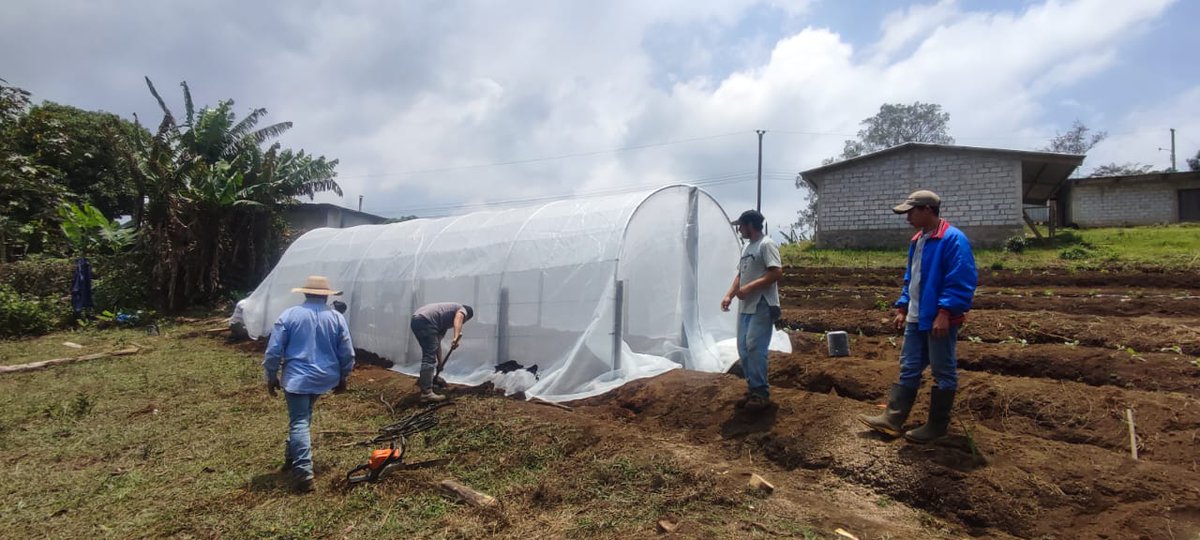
757, 257
914, 281
440, 314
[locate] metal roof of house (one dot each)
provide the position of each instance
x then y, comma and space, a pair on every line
1042, 173
1138, 178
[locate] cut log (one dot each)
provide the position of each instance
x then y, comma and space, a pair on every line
454, 489
47, 363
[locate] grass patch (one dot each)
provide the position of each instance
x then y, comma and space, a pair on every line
1169, 247
181, 440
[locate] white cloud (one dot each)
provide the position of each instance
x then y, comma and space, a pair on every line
394, 87
1143, 131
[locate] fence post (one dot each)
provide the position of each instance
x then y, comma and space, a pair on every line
618, 320
502, 327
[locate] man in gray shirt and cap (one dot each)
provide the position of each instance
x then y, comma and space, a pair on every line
757, 286
430, 324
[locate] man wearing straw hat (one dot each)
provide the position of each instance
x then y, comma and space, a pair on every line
311, 343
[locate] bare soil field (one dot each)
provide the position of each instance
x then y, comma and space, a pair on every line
180, 441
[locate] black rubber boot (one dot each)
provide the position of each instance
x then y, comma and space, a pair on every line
891, 422
940, 404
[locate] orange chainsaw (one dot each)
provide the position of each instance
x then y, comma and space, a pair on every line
396, 435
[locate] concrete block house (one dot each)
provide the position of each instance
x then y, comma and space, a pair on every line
985, 191
1142, 199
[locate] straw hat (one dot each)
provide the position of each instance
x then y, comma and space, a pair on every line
318, 285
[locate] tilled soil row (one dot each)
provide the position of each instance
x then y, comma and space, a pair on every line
1141, 334
1012, 484
1168, 425
1107, 302
1156, 372
809, 275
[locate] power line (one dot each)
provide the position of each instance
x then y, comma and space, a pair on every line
547, 158
709, 181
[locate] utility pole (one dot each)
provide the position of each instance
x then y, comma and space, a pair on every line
360, 203
1173, 169
760, 133
1160, 149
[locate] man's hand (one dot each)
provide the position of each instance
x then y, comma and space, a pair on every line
941, 324
341, 387
272, 386
454, 342
725, 302
899, 319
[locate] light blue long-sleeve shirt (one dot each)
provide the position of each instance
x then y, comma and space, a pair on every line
313, 343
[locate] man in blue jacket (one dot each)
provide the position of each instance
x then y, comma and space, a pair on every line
939, 287
312, 342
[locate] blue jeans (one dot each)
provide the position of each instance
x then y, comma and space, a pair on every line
430, 339
299, 448
922, 349
753, 338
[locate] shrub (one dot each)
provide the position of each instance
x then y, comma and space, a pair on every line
1075, 253
28, 316
120, 284
1016, 244
39, 276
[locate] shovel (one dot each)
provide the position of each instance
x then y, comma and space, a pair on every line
438, 381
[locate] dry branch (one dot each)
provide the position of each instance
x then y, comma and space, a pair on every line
453, 488
551, 404
57, 361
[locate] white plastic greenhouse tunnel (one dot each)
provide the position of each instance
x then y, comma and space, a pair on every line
595, 291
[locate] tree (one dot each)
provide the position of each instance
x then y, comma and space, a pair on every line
215, 197
79, 144
1076, 140
805, 226
896, 123
1194, 163
30, 192
1126, 169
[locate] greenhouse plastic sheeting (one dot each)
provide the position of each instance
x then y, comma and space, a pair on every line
594, 291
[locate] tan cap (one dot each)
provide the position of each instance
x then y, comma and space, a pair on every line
318, 285
918, 198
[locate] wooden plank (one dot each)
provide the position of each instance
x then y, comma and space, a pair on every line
1032, 226
32, 366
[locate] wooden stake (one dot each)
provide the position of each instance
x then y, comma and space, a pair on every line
47, 363
1132, 434
453, 488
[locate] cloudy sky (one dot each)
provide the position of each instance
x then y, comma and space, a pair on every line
438, 107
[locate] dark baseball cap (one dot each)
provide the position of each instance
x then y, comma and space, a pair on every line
750, 217
918, 198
